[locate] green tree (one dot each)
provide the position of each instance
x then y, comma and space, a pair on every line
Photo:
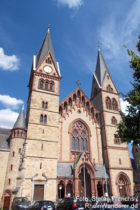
129, 127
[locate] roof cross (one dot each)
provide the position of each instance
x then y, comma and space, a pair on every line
78, 83
49, 25
99, 44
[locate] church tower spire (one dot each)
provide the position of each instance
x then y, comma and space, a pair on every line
46, 48
20, 122
43, 122
101, 77
105, 98
101, 68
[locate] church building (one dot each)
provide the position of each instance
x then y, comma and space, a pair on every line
67, 148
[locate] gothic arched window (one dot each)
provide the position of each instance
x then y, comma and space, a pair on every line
41, 118
109, 88
113, 120
79, 137
70, 102
83, 100
79, 94
88, 106
45, 119
41, 83
74, 97
52, 86
43, 104
114, 104
92, 112
60, 110
46, 85
108, 103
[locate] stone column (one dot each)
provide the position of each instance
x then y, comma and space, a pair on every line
76, 187
93, 187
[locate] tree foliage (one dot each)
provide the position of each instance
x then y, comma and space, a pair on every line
129, 127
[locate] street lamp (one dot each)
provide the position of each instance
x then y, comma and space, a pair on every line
60, 188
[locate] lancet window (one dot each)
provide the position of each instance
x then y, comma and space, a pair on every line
80, 137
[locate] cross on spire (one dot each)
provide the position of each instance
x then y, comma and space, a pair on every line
49, 25
99, 44
78, 83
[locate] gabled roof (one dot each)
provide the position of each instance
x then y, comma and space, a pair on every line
46, 48
64, 169
100, 171
101, 69
81, 102
20, 122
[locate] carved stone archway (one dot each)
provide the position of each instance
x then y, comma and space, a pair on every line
87, 183
89, 178
123, 184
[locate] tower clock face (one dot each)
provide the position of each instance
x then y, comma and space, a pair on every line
47, 69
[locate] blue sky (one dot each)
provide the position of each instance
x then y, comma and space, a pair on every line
76, 28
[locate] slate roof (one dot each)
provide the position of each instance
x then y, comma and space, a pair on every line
100, 171
20, 122
45, 49
4, 138
101, 68
64, 169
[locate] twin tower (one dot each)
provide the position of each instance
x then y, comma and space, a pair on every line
49, 147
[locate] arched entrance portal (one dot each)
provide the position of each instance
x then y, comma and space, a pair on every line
123, 185
87, 183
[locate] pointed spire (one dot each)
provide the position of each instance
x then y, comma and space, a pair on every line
101, 68
20, 122
46, 48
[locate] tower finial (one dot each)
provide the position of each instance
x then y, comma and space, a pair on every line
49, 27
99, 44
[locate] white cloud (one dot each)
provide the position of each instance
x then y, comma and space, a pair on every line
10, 101
7, 118
124, 105
71, 3
114, 33
8, 62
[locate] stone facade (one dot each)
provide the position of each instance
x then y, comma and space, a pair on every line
60, 143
